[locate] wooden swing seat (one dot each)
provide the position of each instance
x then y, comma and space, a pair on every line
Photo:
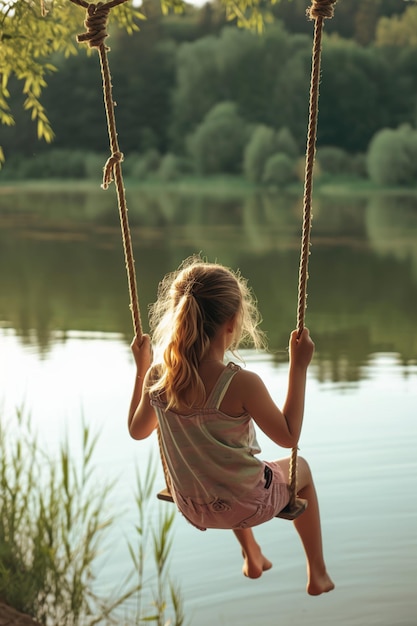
290, 512
293, 510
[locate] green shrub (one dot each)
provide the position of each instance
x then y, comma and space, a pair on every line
216, 146
392, 156
286, 144
10, 170
170, 168
55, 164
279, 170
130, 161
142, 166
333, 160
94, 164
261, 145
358, 165
148, 139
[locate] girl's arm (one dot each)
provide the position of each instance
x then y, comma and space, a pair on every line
283, 427
142, 419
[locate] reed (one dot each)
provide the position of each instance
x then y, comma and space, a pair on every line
54, 516
152, 548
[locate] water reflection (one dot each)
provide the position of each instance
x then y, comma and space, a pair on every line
63, 268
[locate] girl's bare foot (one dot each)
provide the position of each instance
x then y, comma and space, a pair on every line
319, 583
255, 564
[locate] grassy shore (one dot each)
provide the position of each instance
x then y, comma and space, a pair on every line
221, 186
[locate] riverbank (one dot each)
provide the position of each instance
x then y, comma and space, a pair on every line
11, 617
213, 186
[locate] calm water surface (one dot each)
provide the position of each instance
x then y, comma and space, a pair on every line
65, 332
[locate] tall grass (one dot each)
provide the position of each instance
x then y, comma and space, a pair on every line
158, 541
53, 519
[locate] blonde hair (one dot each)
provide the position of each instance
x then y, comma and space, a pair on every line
192, 304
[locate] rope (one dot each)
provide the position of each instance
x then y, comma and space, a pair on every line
319, 11
96, 23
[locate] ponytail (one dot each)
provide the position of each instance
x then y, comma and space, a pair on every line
188, 343
192, 305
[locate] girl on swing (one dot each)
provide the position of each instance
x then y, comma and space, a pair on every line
206, 411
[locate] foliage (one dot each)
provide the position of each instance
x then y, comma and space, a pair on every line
251, 14
141, 166
30, 33
192, 64
53, 518
160, 539
286, 144
357, 165
355, 19
355, 82
217, 143
333, 160
279, 170
171, 167
93, 165
392, 156
57, 163
240, 67
261, 145
197, 87
398, 30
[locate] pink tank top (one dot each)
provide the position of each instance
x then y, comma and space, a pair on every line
210, 454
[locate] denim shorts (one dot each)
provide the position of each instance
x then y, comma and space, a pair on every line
268, 498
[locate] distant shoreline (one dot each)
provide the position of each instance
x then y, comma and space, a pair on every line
214, 186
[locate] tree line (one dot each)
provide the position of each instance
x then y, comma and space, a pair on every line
190, 85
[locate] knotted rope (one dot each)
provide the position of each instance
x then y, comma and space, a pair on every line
318, 11
96, 25
95, 35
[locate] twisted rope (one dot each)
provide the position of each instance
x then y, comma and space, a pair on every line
318, 11
95, 35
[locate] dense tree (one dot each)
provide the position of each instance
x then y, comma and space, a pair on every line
279, 170
167, 78
286, 144
358, 96
398, 30
217, 143
353, 19
74, 97
266, 76
74, 101
333, 160
197, 87
30, 33
392, 156
261, 146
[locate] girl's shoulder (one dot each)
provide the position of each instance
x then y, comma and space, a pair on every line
243, 375
247, 384
243, 382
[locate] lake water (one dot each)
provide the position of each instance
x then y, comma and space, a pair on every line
65, 333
